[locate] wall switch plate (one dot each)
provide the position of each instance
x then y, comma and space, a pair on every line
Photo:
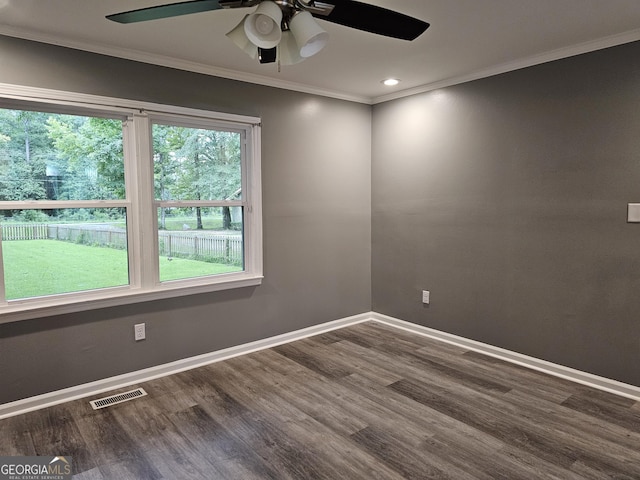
633, 213
139, 332
425, 297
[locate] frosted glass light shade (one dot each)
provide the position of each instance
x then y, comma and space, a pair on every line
310, 37
239, 37
263, 26
288, 51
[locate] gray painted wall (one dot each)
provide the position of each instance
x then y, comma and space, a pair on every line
506, 198
316, 162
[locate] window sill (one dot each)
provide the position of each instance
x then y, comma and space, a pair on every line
72, 303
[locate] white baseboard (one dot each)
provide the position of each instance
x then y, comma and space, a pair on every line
577, 376
112, 383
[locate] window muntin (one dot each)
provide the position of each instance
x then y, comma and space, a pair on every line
132, 192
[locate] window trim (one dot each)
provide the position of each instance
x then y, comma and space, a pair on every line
140, 202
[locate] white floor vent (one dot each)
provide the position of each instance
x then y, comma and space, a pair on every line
119, 398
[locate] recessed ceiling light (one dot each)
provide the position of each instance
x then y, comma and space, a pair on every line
390, 82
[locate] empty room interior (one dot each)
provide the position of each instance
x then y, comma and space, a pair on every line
438, 279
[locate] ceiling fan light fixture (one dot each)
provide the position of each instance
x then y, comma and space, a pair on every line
310, 37
288, 51
262, 27
260, 33
239, 37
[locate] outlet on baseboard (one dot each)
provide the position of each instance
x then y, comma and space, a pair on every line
139, 332
426, 297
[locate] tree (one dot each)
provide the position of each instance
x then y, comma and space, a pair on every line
89, 155
25, 151
165, 141
203, 165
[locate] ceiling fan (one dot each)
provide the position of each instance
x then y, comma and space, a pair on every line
285, 30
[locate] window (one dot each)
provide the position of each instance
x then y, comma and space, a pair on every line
198, 191
103, 205
54, 161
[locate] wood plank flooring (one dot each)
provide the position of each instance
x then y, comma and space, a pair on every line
364, 402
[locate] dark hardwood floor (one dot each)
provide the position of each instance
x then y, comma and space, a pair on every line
364, 402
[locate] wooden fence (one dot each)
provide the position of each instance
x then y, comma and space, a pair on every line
24, 231
88, 235
205, 246
217, 248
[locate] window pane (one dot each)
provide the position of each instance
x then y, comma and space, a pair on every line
196, 163
50, 156
48, 252
196, 242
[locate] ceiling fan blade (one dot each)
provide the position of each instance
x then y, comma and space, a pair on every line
165, 11
370, 18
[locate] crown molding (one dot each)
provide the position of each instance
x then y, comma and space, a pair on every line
179, 64
560, 53
171, 62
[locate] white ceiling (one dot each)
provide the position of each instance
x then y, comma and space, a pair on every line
467, 39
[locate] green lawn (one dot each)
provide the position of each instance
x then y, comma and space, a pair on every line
208, 223
178, 223
178, 268
35, 268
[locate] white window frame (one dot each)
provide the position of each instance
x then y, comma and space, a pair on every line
142, 227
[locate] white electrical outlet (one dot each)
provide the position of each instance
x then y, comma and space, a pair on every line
139, 332
633, 213
425, 297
